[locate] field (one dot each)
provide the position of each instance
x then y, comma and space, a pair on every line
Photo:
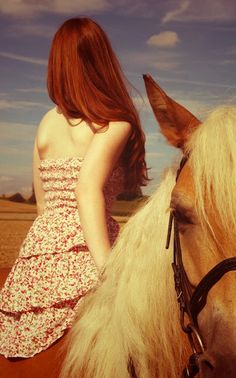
16, 219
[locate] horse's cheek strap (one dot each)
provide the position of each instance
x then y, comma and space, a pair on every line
199, 297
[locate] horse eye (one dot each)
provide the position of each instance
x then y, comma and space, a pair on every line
181, 216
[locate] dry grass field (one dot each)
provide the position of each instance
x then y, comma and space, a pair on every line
16, 219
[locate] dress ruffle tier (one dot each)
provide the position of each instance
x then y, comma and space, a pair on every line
54, 270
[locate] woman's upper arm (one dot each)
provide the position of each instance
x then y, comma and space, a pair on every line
38, 187
103, 153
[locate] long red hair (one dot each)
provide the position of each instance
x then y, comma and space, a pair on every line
85, 81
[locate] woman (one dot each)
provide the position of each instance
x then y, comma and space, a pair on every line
88, 149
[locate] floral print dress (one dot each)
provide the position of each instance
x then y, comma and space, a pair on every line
54, 269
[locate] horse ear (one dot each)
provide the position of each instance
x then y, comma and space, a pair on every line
175, 121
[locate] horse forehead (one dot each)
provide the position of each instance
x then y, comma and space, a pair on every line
184, 187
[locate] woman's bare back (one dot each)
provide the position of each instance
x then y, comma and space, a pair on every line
57, 138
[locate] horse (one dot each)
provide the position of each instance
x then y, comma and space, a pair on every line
129, 325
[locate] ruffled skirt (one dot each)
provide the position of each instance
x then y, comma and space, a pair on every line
37, 303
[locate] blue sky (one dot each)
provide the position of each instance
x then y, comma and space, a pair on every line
188, 46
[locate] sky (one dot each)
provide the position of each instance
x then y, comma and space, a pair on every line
189, 47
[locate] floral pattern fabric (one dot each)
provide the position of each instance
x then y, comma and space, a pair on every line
54, 269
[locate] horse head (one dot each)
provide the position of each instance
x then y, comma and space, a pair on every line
203, 203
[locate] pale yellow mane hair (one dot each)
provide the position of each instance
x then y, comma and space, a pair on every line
212, 149
134, 312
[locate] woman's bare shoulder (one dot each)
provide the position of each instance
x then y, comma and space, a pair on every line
48, 118
121, 127
124, 124
45, 126
51, 117
113, 125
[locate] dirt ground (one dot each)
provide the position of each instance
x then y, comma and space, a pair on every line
15, 221
12, 234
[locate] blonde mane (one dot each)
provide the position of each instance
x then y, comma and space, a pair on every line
133, 313
212, 149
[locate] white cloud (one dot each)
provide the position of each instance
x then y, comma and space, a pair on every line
5, 179
226, 62
27, 8
163, 60
197, 82
176, 13
137, 8
202, 11
22, 58
68, 6
164, 65
16, 150
230, 51
31, 90
164, 39
38, 30
20, 8
31, 8
182, 10
20, 132
6, 104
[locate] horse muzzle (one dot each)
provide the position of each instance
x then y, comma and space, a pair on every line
219, 358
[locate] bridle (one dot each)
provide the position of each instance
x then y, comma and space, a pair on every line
192, 301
